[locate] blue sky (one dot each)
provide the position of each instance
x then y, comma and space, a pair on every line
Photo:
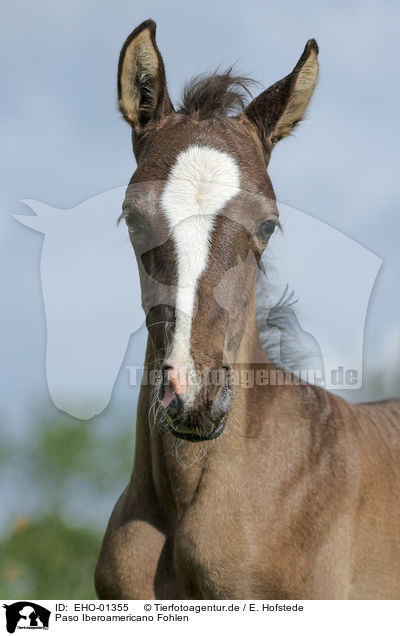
64, 141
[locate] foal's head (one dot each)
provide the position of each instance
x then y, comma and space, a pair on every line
199, 204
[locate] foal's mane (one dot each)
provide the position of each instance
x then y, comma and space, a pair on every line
208, 95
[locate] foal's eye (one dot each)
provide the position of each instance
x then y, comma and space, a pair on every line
135, 222
266, 229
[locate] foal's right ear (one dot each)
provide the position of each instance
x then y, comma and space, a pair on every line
142, 89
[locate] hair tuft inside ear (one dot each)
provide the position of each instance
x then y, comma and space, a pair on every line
142, 91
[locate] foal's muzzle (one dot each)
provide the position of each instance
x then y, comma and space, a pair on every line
202, 420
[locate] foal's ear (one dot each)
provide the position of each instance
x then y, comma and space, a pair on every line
142, 89
278, 109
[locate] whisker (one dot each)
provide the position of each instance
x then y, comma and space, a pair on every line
160, 322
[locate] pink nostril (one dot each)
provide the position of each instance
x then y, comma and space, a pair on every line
175, 381
174, 384
168, 396
176, 378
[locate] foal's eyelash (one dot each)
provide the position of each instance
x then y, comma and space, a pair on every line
126, 213
122, 216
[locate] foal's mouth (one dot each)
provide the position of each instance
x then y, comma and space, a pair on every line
204, 421
196, 435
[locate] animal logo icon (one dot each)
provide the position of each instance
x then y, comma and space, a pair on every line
26, 615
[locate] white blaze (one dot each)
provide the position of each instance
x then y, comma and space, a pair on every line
200, 184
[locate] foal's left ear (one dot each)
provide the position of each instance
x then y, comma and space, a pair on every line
142, 89
278, 109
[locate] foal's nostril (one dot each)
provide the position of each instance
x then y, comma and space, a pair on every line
222, 402
164, 382
173, 406
167, 392
165, 370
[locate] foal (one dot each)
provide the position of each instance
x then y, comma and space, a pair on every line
278, 492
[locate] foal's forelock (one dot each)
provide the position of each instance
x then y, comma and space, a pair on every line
201, 182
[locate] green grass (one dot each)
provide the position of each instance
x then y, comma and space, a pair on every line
48, 560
